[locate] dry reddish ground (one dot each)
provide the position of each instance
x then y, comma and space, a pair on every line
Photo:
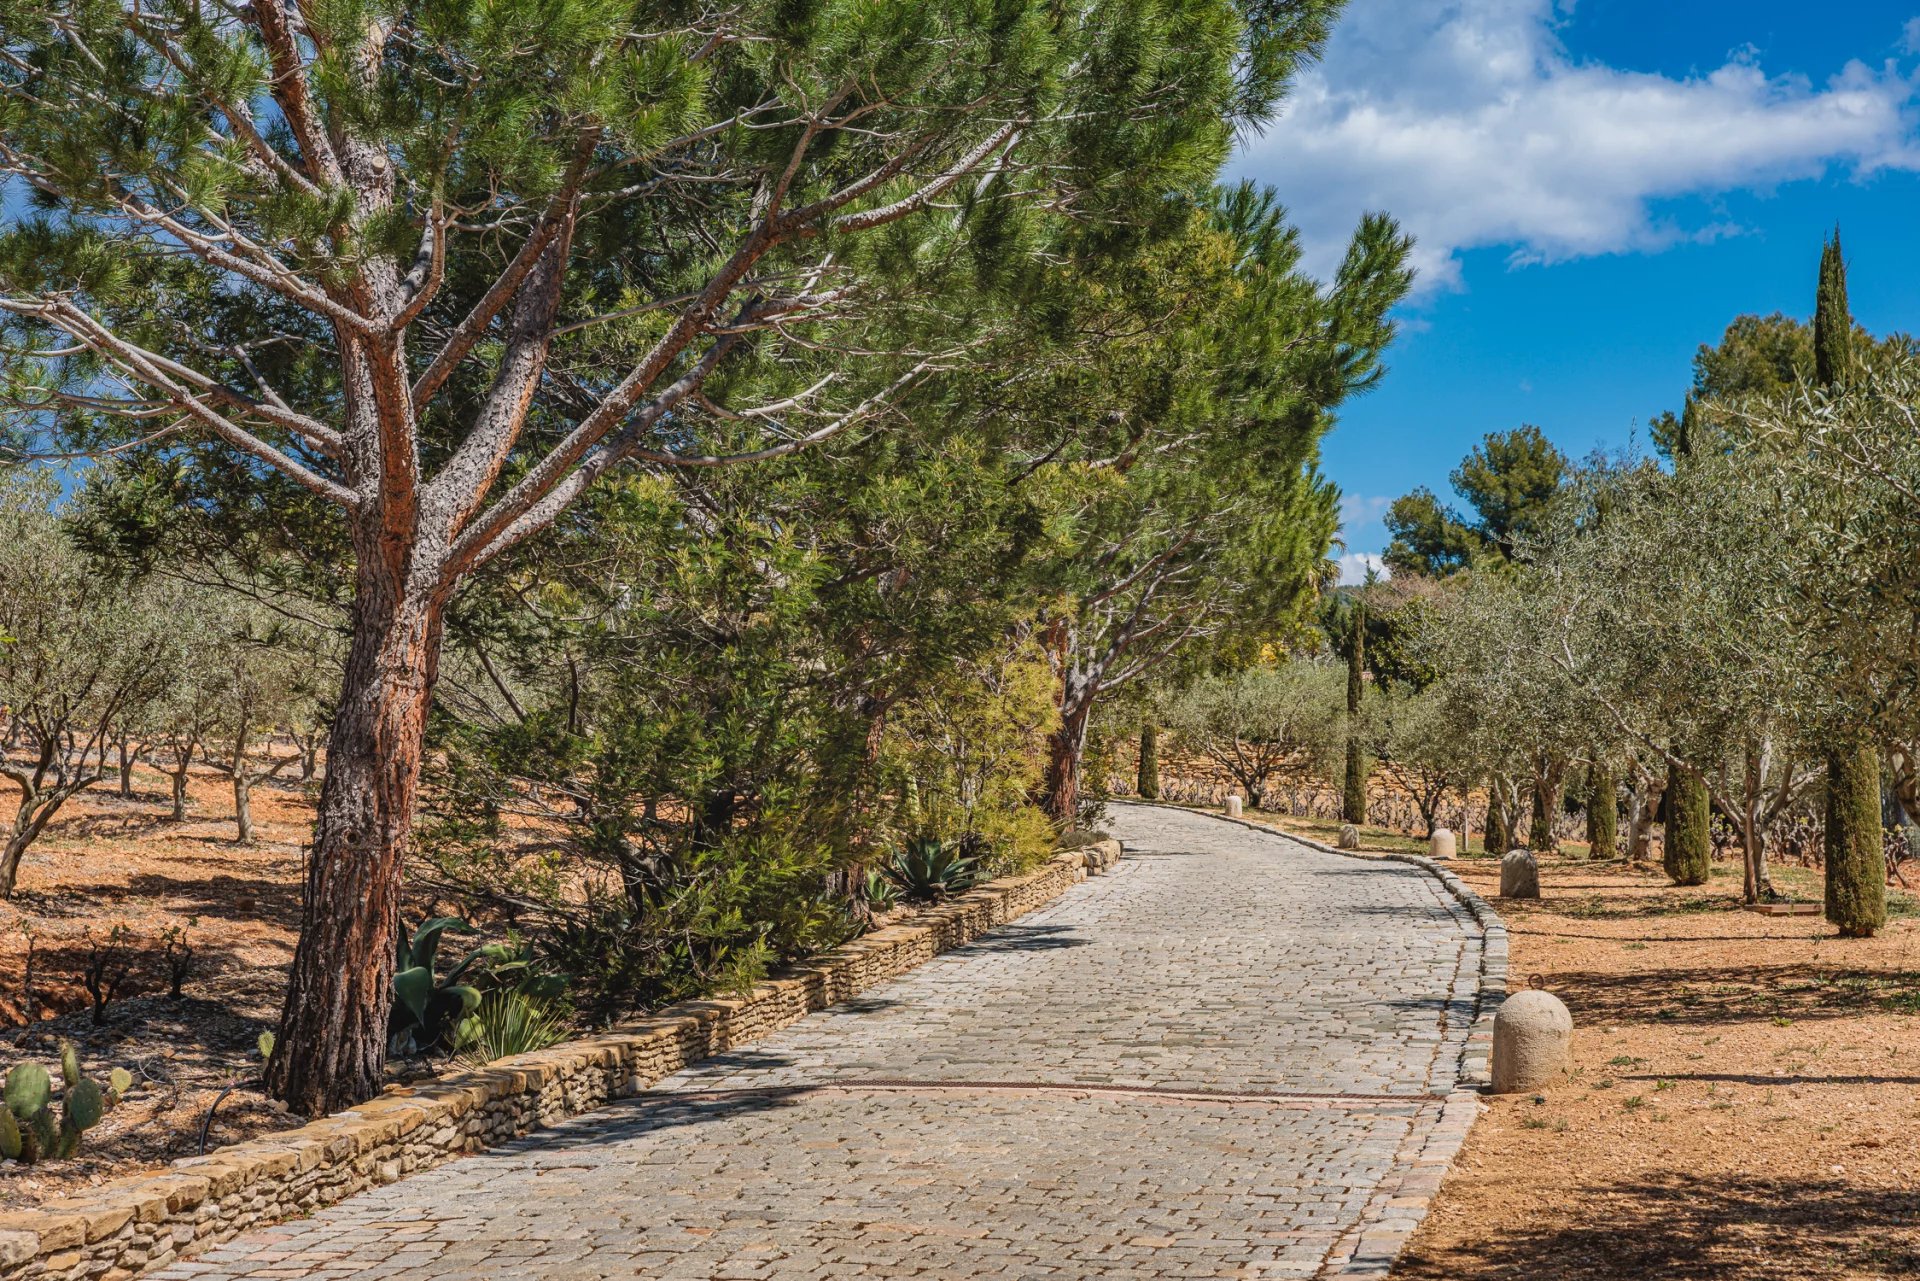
1744, 1101
107, 862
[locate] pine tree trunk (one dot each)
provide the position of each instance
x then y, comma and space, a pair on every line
331, 1048
179, 777
1148, 780
1603, 815
1856, 861
1066, 747
1688, 852
126, 770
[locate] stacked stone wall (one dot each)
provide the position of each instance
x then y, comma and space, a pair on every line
120, 1228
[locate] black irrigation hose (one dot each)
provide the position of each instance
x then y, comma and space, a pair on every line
206, 1126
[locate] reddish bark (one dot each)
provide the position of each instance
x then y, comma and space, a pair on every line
331, 1049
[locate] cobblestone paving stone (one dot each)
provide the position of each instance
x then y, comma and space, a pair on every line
1214, 961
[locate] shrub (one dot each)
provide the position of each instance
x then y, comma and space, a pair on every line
109, 964
877, 891
969, 753
432, 1012
689, 922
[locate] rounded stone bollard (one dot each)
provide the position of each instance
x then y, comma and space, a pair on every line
1519, 875
1442, 844
1532, 1038
1233, 807
1349, 837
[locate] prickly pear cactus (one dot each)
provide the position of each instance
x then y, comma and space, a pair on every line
29, 1131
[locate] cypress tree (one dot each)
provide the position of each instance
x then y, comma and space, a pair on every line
1540, 836
1688, 855
1832, 320
1499, 834
1856, 873
1603, 814
1856, 863
1147, 782
1353, 803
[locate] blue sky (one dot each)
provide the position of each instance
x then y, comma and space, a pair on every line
1597, 186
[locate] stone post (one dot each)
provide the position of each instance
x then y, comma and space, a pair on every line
1233, 807
1441, 846
1532, 1040
1519, 875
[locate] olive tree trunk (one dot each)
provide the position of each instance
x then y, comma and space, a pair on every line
1546, 798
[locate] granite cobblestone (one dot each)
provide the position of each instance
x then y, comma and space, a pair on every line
1235, 1055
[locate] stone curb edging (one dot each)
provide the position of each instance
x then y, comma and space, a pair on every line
147, 1221
1367, 1250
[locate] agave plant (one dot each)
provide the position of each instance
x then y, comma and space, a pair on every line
929, 869
432, 1012
508, 1022
426, 1007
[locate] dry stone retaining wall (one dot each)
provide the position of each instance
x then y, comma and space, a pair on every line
120, 1228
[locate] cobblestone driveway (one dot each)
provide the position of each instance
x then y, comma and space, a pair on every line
1228, 1058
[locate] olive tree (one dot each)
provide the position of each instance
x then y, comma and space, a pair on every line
266, 672
1669, 603
1265, 722
1519, 718
1847, 462
81, 658
1416, 744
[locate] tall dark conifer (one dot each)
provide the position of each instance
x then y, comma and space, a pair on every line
1689, 844
1856, 873
1603, 814
1148, 780
1353, 802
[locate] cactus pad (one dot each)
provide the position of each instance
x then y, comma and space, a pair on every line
28, 1088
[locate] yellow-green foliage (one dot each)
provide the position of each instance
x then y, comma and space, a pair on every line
965, 759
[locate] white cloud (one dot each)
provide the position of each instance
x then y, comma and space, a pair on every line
1358, 509
1469, 121
1354, 567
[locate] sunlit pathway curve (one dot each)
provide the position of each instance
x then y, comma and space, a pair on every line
1226, 1058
